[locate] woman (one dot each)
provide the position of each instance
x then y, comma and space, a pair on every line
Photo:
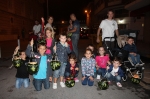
70, 27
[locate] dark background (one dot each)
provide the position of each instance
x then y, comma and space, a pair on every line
61, 9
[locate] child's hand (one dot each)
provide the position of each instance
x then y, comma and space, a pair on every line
107, 67
31, 42
116, 74
71, 68
91, 78
83, 78
50, 78
77, 68
42, 19
66, 44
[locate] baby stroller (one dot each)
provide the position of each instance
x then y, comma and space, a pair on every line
127, 65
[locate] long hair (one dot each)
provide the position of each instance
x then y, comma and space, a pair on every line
51, 30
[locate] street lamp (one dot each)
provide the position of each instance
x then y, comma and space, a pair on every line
85, 11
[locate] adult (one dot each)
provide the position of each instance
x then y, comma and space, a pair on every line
70, 27
37, 28
36, 31
75, 33
50, 22
108, 27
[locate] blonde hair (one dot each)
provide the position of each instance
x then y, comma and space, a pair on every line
51, 30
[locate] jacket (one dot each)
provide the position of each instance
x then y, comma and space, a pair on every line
62, 52
38, 58
68, 68
130, 48
120, 72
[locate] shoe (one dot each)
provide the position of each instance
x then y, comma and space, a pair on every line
62, 84
76, 79
64, 80
98, 77
54, 85
109, 82
137, 64
141, 64
119, 84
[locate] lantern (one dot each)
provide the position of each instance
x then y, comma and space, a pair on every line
17, 62
55, 63
103, 84
32, 67
42, 40
135, 79
69, 34
70, 82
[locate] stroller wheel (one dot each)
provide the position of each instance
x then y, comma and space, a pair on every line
140, 73
125, 77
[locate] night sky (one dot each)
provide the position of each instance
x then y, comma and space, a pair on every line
61, 9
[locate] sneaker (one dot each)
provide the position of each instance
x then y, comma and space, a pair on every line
141, 64
62, 84
137, 64
109, 82
76, 79
119, 84
54, 85
98, 77
64, 80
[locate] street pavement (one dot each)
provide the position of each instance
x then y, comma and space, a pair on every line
8, 90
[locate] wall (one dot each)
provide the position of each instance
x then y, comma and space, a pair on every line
132, 23
18, 14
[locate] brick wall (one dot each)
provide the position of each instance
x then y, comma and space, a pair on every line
18, 14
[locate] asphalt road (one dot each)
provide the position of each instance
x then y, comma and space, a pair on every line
8, 90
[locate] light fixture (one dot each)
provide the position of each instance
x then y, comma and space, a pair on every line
62, 22
121, 21
142, 24
85, 11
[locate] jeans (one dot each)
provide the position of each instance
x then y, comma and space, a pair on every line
87, 81
75, 39
135, 59
61, 71
38, 84
101, 71
110, 77
67, 74
20, 81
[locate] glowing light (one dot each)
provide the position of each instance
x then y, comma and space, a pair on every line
121, 21
62, 22
85, 11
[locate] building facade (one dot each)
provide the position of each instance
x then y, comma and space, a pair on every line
128, 14
16, 15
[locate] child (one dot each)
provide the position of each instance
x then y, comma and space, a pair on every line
62, 49
50, 40
102, 60
22, 75
90, 46
88, 65
131, 48
115, 72
69, 42
72, 67
44, 75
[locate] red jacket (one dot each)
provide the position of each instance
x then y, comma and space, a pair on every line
70, 45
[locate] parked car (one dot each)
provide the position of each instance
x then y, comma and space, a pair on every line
84, 34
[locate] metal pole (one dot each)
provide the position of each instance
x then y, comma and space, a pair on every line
0, 52
47, 9
19, 41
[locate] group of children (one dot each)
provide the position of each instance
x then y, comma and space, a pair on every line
91, 65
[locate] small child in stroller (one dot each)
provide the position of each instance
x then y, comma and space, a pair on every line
131, 48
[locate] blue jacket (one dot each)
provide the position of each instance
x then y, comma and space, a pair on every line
130, 48
38, 58
120, 72
62, 52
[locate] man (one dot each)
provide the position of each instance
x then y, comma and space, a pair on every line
37, 28
36, 31
108, 27
75, 34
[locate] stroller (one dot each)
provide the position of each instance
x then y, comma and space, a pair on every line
128, 67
